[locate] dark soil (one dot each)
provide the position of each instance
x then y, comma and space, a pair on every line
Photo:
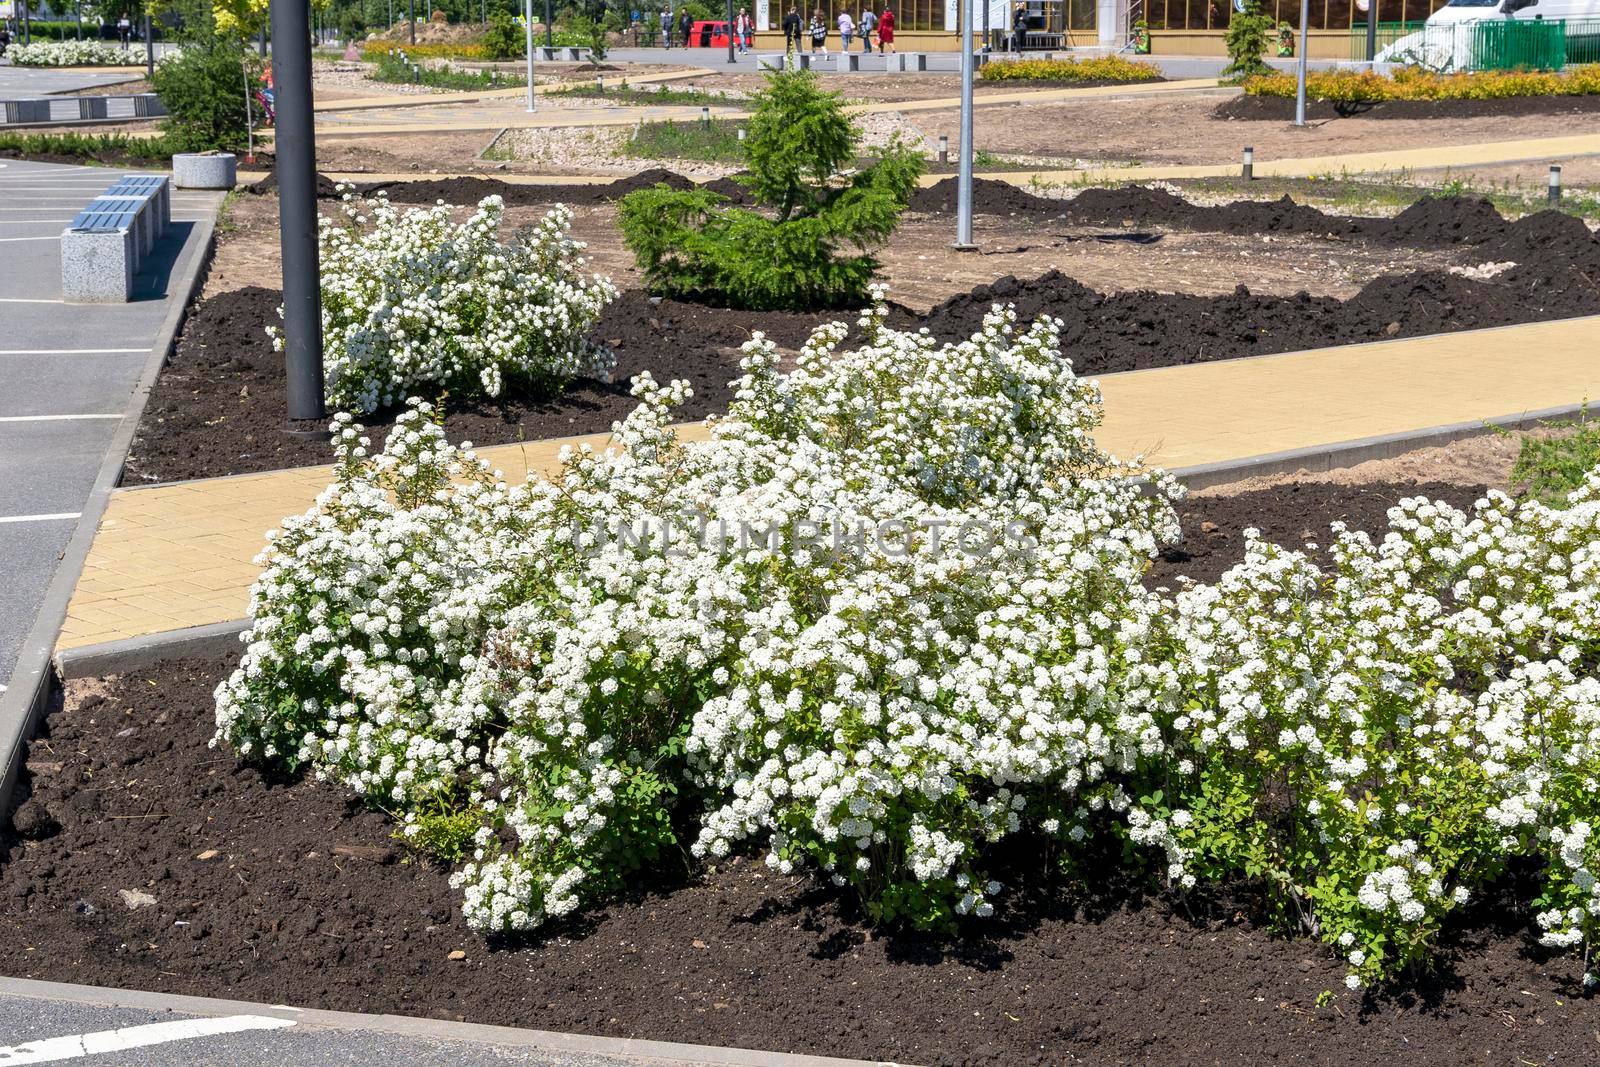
283, 891
1295, 514
1103, 333
218, 406
470, 190
1281, 109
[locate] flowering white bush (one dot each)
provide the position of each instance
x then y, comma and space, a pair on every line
553, 702
70, 54
1378, 740
445, 643
412, 301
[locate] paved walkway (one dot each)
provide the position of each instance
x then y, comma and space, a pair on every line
500, 109
67, 372
1393, 161
180, 555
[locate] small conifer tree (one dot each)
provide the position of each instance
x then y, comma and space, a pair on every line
807, 244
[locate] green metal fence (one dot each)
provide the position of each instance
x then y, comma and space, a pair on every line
1485, 44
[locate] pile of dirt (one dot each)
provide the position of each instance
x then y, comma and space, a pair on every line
989, 197
1139, 206
1281, 109
327, 188
284, 891
469, 190
1135, 330
218, 406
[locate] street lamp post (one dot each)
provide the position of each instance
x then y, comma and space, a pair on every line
549, 22
411, 10
296, 165
964, 178
149, 47
1372, 30
730, 33
1300, 66
528, 28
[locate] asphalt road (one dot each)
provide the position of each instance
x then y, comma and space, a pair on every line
67, 372
41, 1031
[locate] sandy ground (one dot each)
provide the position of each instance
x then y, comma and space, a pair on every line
1182, 130
922, 269
1485, 459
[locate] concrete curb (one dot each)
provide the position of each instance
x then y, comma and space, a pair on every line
136, 653
626, 1049
23, 702
1319, 458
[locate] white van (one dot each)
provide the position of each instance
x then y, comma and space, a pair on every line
1445, 42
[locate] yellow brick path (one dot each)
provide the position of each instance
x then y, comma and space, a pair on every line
180, 555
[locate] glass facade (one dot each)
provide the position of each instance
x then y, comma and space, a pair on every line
1325, 14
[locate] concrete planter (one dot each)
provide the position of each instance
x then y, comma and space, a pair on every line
208, 171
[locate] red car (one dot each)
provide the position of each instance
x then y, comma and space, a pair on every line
709, 34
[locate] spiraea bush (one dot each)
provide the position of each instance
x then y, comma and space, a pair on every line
669, 647
413, 302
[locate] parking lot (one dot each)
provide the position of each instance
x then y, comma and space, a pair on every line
67, 371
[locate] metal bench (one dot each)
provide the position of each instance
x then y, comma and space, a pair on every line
103, 247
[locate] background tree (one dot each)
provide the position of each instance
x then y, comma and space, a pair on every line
1246, 40
791, 252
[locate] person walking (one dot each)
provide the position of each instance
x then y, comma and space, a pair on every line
685, 25
819, 33
791, 30
847, 30
864, 28
124, 31
1019, 27
743, 27
886, 30
666, 27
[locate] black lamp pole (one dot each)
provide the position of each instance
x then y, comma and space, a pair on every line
149, 47
549, 34
296, 164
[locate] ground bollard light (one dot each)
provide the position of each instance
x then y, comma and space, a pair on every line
741, 133
944, 149
705, 116
600, 83
1249, 164
1555, 183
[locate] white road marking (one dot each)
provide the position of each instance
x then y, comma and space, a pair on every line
50, 237
76, 1046
68, 351
28, 300
40, 519
54, 418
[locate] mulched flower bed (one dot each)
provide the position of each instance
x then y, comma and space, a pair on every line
1281, 109
218, 406
142, 858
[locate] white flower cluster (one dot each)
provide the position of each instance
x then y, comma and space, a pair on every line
412, 302
1387, 734
1372, 742
71, 54
440, 640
